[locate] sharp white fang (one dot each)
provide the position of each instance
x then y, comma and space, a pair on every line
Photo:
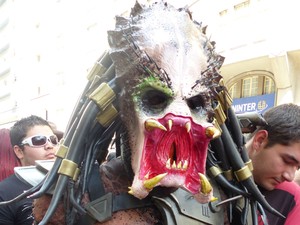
174, 165
146, 176
168, 164
185, 165
188, 127
170, 124
179, 165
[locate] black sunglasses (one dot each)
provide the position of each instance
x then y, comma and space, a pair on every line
40, 140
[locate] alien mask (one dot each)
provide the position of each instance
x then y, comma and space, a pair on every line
167, 70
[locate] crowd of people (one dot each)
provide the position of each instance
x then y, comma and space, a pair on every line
274, 150
151, 83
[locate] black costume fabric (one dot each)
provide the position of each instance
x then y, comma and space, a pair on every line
285, 199
19, 213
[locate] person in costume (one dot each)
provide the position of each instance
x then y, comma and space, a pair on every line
180, 155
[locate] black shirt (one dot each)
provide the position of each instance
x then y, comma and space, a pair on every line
286, 200
19, 213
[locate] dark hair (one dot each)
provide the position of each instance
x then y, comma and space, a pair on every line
283, 124
59, 134
19, 130
8, 159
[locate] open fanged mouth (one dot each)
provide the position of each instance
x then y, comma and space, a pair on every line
174, 153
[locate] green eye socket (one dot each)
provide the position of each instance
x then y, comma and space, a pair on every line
152, 95
154, 101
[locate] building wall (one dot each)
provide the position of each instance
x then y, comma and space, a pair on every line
46, 51
49, 49
261, 35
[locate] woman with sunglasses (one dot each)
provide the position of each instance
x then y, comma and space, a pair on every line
32, 139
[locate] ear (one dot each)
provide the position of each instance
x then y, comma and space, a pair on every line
259, 140
19, 152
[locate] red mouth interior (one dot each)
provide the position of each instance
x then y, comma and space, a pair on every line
175, 151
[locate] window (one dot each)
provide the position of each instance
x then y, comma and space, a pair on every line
242, 5
269, 86
223, 12
233, 91
251, 84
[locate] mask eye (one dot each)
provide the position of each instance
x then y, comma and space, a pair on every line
196, 103
154, 101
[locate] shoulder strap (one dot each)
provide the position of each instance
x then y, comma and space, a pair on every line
181, 208
33, 175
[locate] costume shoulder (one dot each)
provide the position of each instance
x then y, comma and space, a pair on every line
33, 175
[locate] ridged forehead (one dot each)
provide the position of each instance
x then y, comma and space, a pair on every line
163, 37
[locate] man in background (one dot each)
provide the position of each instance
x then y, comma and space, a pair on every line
32, 139
275, 153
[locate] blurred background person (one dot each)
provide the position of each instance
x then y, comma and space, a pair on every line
59, 134
8, 159
32, 138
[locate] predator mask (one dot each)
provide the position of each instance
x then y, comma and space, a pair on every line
167, 70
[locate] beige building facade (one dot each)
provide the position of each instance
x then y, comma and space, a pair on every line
46, 53
260, 42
